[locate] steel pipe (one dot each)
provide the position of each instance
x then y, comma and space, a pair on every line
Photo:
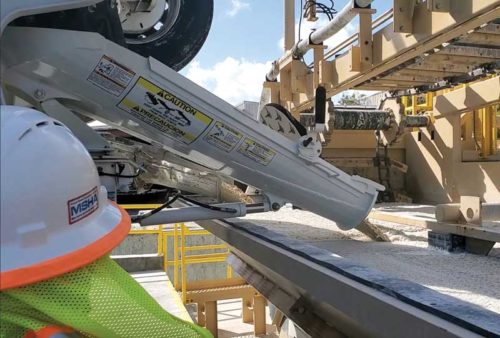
340, 20
194, 213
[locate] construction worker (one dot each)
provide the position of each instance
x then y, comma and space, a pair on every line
57, 228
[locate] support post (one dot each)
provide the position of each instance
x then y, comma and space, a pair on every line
259, 315
247, 313
289, 24
366, 38
201, 314
274, 88
211, 317
318, 57
176, 257
183, 264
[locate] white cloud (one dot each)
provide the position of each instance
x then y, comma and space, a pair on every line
236, 7
233, 80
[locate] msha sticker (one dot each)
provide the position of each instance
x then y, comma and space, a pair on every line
83, 206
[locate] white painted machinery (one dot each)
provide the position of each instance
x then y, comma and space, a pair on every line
65, 72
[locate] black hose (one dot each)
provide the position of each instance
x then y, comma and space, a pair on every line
139, 218
208, 206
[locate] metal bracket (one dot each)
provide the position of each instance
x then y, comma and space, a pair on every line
403, 15
470, 209
90, 138
438, 5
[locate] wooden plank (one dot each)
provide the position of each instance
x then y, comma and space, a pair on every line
393, 81
200, 296
481, 39
431, 74
470, 62
490, 53
422, 78
444, 66
473, 231
215, 283
380, 87
490, 28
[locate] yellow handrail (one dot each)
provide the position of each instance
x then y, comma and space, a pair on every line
181, 257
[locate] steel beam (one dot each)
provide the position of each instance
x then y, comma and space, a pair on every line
391, 49
475, 96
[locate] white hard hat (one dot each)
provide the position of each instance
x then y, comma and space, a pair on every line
55, 216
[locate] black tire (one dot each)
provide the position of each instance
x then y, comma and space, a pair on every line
180, 44
101, 18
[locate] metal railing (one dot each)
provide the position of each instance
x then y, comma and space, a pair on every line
181, 258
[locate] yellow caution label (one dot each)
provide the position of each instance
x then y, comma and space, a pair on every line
164, 111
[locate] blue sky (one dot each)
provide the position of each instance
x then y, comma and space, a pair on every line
245, 37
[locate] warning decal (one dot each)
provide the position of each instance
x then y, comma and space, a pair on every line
256, 151
111, 76
164, 111
223, 136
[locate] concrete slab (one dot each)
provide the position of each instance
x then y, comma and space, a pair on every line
157, 284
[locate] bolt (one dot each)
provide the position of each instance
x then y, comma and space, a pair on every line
306, 142
276, 206
39, 94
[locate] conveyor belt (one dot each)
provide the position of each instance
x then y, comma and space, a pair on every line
356, 299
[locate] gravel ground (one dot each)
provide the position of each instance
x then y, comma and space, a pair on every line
472, 278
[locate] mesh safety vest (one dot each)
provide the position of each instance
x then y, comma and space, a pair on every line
98, 300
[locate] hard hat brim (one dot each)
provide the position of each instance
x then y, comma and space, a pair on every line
71, 261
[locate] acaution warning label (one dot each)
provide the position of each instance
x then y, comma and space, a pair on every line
224, 137
164, 111
256, 151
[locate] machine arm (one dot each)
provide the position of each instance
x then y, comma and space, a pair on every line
142, 97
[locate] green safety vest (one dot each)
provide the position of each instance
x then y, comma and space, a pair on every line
98, 300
